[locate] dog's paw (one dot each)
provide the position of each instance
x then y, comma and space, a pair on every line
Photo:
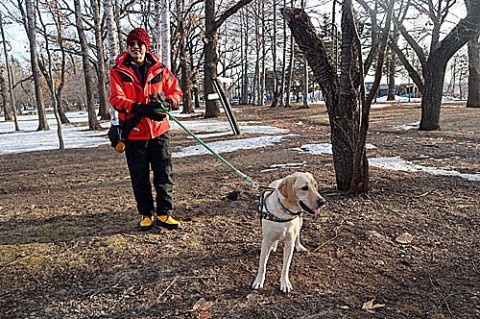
300, 248
285, 285
258, 283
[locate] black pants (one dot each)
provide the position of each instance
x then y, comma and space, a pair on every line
154, 153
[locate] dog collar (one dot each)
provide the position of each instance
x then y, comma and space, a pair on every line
286, 210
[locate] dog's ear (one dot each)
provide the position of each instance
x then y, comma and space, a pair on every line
286, 187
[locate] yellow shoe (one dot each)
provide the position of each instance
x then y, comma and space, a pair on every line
167, 221
146, 223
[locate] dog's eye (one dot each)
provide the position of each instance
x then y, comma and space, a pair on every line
305, 188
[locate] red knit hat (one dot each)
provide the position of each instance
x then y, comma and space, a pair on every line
141, 35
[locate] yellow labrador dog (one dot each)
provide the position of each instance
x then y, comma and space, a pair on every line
281, 207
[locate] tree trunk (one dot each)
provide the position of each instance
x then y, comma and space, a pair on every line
31, 30
256, 70
432, 94
104, 110
391, 78
184, 61
118, 24
305, 75
87, 69
264, 53
347, 107
47, 69
112, 45
210, 49
392, 67
156, 44
473, 73
59, 39
7, 111
165, 27
211, 59
284, 60
274, 56
4, 73
245, 60
289, 80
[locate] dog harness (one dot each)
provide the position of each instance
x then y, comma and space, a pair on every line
264, 213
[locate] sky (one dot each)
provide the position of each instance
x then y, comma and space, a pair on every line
77, 135
17, 38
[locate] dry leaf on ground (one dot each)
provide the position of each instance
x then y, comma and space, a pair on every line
204, 315
404, 238
202, 305
370, 306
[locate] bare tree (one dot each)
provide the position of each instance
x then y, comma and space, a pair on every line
29, 17
87, 69
274, 56
305, 75
8, 102
430, 79
347, 106
186, 78
211, 59
47, 66
104, 108
245, 47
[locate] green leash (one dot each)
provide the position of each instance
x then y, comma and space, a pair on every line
242, 175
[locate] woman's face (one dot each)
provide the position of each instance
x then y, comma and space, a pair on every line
137, 51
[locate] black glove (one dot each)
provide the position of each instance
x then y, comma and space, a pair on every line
158, 105
157, 102
169, 102
148, 110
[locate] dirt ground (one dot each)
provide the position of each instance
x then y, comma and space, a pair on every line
69, 247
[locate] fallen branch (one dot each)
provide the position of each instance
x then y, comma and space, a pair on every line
329, 240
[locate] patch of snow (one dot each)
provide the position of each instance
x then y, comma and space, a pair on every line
229, 146
406, 127
78, 136
289, 165
398, 164
323, 148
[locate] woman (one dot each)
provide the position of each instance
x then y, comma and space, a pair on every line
136, 77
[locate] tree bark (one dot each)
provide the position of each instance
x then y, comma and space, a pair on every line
185, 70
31, 31
5, 99
245, 61
274, 56
104, 110
473, 73
211, 59
47, 69
112, 45
432, 93
87, 69
6, 92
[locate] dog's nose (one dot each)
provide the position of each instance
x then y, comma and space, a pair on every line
321, 201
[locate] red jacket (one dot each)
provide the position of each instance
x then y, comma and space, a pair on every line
125, 89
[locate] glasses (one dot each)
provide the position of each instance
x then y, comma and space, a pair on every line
135, 42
